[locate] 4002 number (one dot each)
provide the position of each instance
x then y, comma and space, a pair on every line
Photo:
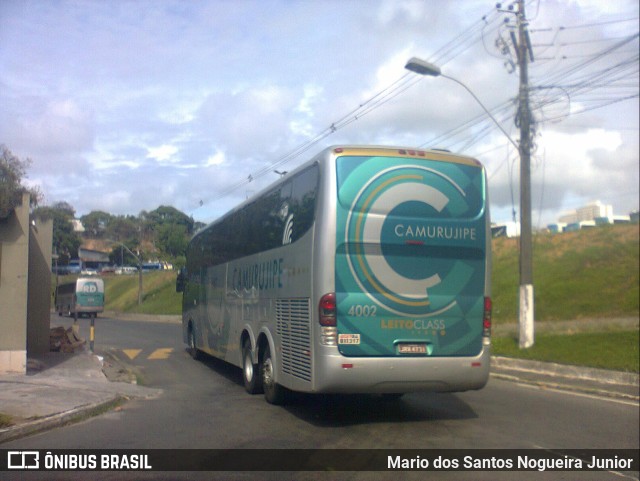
359, 310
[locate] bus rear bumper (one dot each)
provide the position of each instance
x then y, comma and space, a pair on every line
338, 374
89, 309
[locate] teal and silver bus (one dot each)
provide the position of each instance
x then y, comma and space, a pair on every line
85, 295
365, 270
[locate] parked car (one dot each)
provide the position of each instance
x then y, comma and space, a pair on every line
123, 270
74, 266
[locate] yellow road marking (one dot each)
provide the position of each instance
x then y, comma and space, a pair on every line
162, 353
132, 353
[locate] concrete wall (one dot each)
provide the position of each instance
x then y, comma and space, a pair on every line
14, 262
39, 286
25, 287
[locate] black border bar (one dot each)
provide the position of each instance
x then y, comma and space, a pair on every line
619, 460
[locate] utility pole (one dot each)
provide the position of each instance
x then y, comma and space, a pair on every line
524, 55
524, 118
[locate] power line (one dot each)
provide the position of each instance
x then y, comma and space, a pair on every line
598, 24
447, 52
480, 123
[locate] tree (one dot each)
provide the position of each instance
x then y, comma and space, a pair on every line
12, 172
121, 254
96, 222
123, 229
168, 215
66, 241
168, 229
172, 239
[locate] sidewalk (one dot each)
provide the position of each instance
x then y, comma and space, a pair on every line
62, 387
59, 388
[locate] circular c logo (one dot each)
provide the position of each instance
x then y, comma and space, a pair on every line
400, 287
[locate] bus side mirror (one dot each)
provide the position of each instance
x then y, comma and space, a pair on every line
180, 281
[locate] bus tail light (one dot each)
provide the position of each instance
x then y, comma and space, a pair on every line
327, 317
327, 310
486, 318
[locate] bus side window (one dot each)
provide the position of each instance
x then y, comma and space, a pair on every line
303, 201
180, 281
285, 191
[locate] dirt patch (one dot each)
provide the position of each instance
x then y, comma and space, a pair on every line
117, 370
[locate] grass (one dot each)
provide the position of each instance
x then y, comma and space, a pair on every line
607, 350
5, 421
159, 293
577, 276
586, 274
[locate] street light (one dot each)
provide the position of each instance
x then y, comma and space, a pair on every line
139, 268
526, 315
423, 67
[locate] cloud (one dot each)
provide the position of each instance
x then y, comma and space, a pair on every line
51, 127
163, 153
171, 102
216, 159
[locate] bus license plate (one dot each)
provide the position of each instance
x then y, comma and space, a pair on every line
412, 348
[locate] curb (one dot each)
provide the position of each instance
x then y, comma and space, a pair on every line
600, 382
127, 316
575, 372
56, 420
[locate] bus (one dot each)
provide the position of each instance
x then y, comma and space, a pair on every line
365, 270
85, 295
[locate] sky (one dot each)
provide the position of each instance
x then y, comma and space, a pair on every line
123, 106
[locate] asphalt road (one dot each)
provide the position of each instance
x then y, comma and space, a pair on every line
204, 405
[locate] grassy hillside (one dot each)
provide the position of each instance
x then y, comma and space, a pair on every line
587, 274
159, 293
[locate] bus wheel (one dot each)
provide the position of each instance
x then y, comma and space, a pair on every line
193, 350
273, 392
250, 371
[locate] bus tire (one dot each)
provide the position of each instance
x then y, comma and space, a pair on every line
273, 392
250, 371
193, 350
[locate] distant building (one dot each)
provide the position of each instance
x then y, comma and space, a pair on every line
77, 226
505, 229
93, 259
576, 226
557, 228
594, 214
616, 219
621, 219
589, 212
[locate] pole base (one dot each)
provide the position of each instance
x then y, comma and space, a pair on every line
526, 319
